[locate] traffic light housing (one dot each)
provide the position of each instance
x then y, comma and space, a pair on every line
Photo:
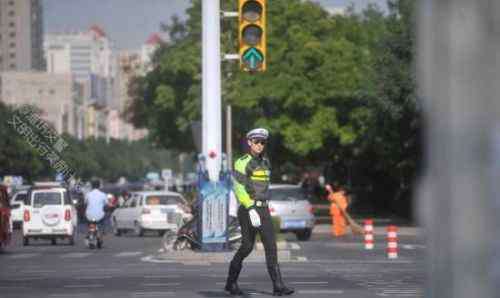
252, 35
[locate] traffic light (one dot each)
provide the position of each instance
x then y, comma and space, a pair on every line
252, 35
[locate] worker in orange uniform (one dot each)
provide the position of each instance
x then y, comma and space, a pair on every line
338, 199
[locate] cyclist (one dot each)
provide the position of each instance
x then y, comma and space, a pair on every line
95, 201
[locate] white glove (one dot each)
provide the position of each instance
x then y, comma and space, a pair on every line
254, 217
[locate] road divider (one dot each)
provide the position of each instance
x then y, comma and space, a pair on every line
369, 239
392, 242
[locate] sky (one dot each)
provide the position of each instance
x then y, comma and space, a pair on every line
130, 22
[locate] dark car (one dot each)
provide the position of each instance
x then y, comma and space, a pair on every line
5, 222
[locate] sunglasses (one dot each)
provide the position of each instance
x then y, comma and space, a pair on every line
262, 142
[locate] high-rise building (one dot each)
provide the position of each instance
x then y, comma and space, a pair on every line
81, 54
57, 95
89, 57
21, 35
148, 49
129, 66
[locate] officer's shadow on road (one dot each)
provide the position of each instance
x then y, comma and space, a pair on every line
246, 293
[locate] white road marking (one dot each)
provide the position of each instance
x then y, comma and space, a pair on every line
76, 255
413, 246
294, 246
302, 259
364, 262
152, 259
99, 269
152, 294
403, 293
85, 286
69, 295
93, 277
24, 278
320, 291
38, 271
309, 282
128, 254
167, 284
24, 256
162, 276
255, 293
240, 283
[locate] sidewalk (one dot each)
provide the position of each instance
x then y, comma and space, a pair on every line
201, 257
190, 257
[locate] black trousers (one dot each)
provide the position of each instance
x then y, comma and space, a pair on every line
248, 233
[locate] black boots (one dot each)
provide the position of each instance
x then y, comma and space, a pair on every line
279, 289
232, 277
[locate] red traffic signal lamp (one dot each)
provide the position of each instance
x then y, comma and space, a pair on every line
252, 35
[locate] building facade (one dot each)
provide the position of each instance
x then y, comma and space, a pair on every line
55, 95
21, 35
81, 54
89, 56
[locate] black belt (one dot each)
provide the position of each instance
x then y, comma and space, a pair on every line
261, 203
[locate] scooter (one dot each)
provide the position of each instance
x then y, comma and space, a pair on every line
93, 238
187, 235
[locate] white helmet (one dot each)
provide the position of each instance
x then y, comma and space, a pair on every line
258, 133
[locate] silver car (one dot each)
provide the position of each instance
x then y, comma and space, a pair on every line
289, 203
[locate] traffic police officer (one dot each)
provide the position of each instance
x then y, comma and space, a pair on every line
251, 185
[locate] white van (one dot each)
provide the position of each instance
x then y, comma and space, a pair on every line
49, 214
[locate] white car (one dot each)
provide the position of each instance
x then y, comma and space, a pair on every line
49, 214
150, 211
17, 207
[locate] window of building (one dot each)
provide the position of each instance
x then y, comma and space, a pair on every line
12, 66
52, 92
12, 55
11, 2
12, 13
12, 45
12, 24
12, 34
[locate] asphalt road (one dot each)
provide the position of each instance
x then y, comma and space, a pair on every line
129, 266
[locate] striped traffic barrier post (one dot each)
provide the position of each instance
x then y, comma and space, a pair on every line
392, 242
369, 240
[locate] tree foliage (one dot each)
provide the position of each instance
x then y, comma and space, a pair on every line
339, 91
89, 158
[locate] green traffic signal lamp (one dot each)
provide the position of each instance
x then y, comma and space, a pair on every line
252, 35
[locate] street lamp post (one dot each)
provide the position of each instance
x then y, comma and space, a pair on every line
211, 85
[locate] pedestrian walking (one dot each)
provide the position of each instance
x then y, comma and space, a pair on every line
251, 178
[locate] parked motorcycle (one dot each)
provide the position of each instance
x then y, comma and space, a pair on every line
187, 235
94, 238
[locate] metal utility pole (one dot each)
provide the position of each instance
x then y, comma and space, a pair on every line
229, 140
211, 88
459, 200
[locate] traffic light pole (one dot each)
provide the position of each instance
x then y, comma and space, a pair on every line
211, 88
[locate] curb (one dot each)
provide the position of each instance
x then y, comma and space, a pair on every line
189, 257
378, 230
193, 257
